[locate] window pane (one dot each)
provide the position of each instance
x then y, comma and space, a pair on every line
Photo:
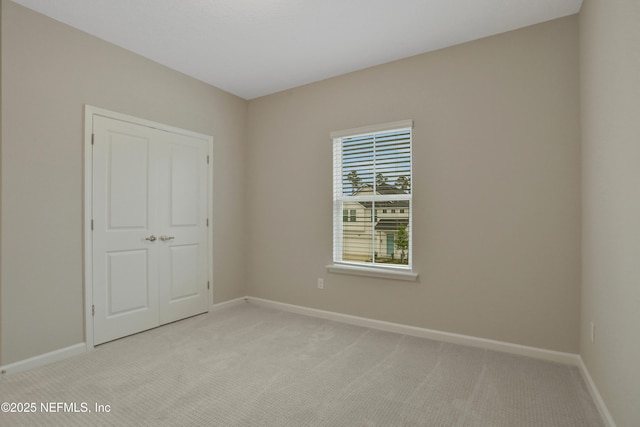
392, 235
357, 234
357, 163
393, 159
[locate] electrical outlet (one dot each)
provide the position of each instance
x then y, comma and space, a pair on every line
320, 283
593, 332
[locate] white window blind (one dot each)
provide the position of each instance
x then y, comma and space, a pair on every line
372, 178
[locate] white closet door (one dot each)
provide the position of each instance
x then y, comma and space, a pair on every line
149, 238
183, 218
125, 260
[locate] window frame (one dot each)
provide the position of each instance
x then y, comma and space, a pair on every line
375, 269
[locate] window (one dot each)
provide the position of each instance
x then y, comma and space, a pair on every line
348, 215
372, 170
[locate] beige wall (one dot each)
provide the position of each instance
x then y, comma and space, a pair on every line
49, 72
610, 104
496, 188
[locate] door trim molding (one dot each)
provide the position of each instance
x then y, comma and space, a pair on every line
89, 112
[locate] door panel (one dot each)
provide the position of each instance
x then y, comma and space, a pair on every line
185, 185
127, 282
128, 172
184, 272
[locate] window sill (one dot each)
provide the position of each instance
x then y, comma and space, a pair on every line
382, 273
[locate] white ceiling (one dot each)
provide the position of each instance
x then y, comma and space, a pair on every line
255, 47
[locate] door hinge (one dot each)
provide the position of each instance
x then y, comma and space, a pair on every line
92, 138
207, 222
207, 159
93, 310
91, 225
208, 285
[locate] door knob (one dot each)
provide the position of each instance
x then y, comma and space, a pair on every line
151, 238
165, 238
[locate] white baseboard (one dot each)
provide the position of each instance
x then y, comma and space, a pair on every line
230, 303
43, 359
595, 394
505, 347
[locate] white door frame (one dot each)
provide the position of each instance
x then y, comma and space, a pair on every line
89, 112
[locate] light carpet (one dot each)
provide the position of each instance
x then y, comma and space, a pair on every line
253, 366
